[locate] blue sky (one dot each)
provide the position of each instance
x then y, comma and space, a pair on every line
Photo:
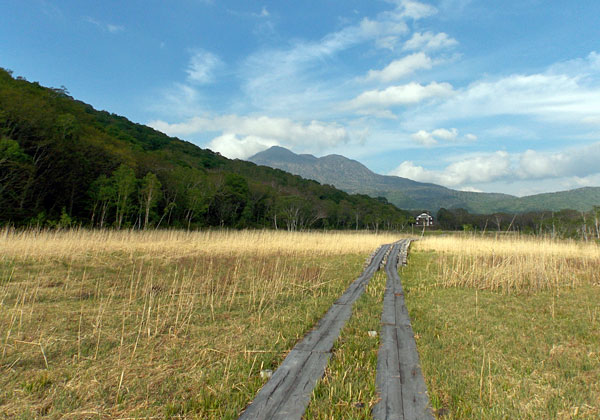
473, 95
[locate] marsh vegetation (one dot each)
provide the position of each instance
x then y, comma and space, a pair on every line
168, 323
507, 327
174, 324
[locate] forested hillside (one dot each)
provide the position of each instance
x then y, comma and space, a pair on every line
64, 163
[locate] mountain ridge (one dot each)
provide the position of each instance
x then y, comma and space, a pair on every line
354, 177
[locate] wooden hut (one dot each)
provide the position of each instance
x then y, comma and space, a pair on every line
424, 219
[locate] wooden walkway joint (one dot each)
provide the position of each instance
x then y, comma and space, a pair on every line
287, 394
399, 379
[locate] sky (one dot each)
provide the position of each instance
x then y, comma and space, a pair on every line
474, 95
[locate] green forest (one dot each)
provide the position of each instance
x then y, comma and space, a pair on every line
63, 163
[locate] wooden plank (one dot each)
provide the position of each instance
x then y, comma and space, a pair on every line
327, 329
388, 378
399, 379
287, 394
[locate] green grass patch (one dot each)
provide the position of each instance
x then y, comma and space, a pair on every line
489, 355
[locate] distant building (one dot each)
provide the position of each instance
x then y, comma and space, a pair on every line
424, 219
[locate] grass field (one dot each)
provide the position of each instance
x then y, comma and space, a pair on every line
159, 324
507, 329
172, 324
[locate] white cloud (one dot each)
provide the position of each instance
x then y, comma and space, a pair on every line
408, 169
201, 67
304, 75
285, 62
566, 93
572, 167
179, 101
263, 13
113, 29
414, 9
108, 27
578, 162
231, 146
444, 134
470, 189
372, 29
475, 169
592, 120
429, 41
243, 135
398, 69
387, 42
586, 181
424, 138
410, 93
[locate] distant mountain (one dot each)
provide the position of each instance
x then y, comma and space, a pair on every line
582, 199
352, 176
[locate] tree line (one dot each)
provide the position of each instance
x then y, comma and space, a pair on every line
564, 224
64, 163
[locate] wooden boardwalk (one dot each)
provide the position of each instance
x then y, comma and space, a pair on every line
400, 383
287, 394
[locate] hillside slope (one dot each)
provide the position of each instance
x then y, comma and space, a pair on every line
63, 162
352, 176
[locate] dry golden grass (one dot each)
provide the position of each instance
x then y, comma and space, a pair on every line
178, 243
106, 324
513, 265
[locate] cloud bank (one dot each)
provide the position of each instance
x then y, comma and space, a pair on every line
243, 136
578, 163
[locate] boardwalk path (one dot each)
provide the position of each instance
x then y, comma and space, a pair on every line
288, 392
399, 379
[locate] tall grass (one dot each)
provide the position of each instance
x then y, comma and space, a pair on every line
165, 243
507, 328
510, 265
165, 323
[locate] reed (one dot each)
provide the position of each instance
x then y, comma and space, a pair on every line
510, 265
159, 324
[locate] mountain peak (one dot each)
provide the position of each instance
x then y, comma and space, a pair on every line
353, 177
279, 154
340, 171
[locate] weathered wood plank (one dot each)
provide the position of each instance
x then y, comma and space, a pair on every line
399, 379
287, 393
284, 396
388, 378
